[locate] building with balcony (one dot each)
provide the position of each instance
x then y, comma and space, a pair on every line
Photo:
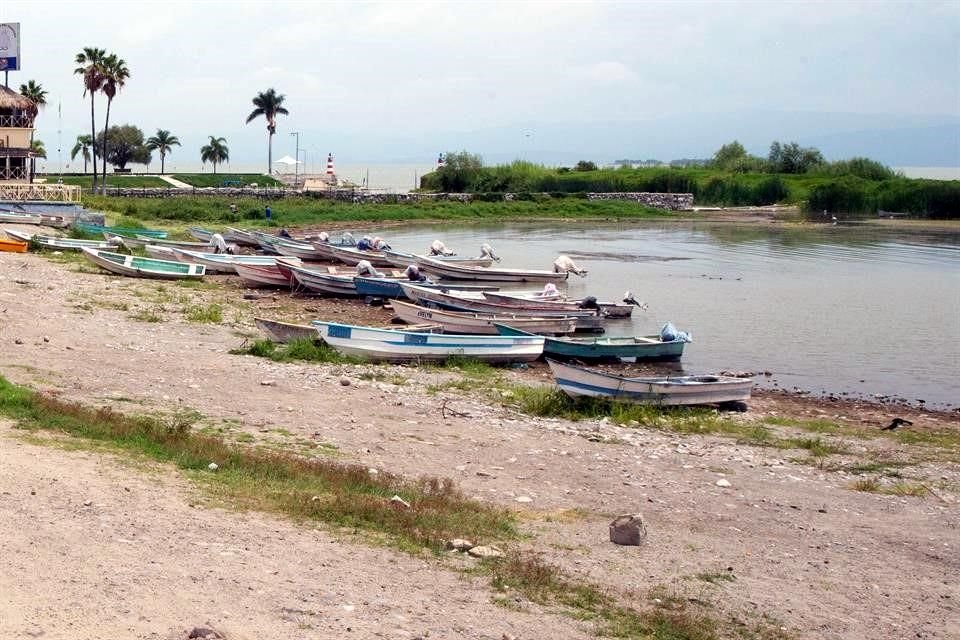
16, 126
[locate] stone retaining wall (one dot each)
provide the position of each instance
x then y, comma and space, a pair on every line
670, 201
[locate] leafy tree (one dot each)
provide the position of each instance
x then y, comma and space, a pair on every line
585, 165
728, 154
163, 142
36, 146
268, 104
89, 67
115, 74
459, 172
862, 168
38, 96
215, 152
124, 144
792, 158
83, 145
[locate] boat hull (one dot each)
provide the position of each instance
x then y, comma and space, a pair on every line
457, 272
383, 345
477, 323
261, 276
138, 267
284, 331
670, 391
640, 348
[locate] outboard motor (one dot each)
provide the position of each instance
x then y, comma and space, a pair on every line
589, 303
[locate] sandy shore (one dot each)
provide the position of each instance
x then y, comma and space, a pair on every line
97, 545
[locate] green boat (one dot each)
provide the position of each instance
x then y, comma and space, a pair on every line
139, 267
605, 348
120, 231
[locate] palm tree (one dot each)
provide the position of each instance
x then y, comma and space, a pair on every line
115, 74
268, 104
89, 66
35, 93
84, 143
215, 151
164, 143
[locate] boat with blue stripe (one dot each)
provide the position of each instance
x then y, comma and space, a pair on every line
386, 345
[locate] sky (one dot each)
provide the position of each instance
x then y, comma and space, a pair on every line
384, 82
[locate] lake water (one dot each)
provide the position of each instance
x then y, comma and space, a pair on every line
851, 309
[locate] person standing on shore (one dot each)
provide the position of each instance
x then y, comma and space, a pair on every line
268, 212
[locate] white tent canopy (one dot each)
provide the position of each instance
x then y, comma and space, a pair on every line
287, 160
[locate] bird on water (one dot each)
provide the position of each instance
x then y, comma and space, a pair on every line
896, 422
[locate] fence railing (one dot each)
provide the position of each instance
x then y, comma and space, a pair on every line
21, 120
39, 192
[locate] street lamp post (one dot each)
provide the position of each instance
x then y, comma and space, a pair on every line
296, 172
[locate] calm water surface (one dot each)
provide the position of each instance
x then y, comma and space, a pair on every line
826, 309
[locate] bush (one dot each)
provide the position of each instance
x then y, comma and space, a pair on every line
846, 195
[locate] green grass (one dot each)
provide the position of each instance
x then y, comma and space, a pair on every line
900, 488
715, 577
306, 211
114, 180
199, 313
218, 179
301, 349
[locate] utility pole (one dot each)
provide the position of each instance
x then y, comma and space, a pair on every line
296, 172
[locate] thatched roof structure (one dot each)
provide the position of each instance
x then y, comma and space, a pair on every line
10, 99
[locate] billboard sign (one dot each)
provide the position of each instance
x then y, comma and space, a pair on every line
10, 46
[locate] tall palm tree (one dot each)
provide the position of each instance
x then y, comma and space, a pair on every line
36, 94
164, 143
215, 151
115, 75
268, 104
84, 144
89, 66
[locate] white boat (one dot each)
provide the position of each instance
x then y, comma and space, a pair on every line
201, 234
474, 301
481, 323
139, 242
665, 391
323, 283
537, 301
261, 276
20, 218
403, 260
453, 271
241, 237
352, 255
405, 346
61, 244
140, 267
224, 262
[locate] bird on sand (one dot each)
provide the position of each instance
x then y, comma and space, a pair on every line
896, 422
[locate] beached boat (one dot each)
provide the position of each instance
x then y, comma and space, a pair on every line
225, 262
405, 346
453, 271
201, 234
473, 301
352, 255
403, 260
304, 250
390, 287
139, 242
672, 390
605, 348
122, 231
261, 275
480, 323
240, 236
61, 244
16, 217
140, 267
13, 246
330, 284
285, 331
537, 301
